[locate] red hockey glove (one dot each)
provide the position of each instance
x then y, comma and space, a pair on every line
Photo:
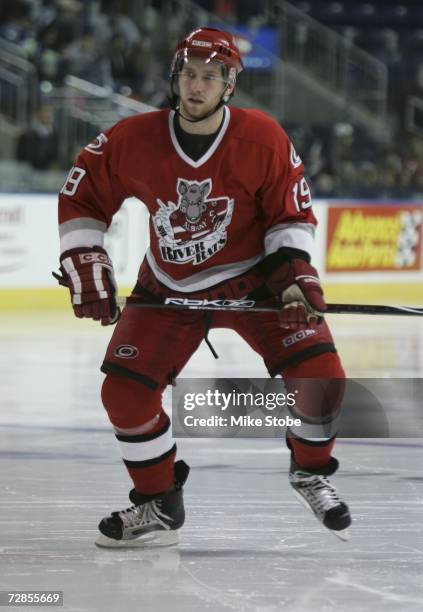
88, 273
297, 284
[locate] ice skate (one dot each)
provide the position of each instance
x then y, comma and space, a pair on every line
316, 493
152, 521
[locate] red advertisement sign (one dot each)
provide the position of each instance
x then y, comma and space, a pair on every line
374, 238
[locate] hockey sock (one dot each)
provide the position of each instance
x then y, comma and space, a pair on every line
320, 383
151, 474
148, 456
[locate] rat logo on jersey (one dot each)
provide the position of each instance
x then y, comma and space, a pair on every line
194, 229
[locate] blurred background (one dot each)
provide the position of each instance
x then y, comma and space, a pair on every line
345, 79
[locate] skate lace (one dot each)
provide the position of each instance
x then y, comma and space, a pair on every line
145, 514
321, 494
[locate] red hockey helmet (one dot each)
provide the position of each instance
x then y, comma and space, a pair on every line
212, 45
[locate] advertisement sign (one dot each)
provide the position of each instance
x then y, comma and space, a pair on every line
374, 238
364, 238
13, 244
29, 240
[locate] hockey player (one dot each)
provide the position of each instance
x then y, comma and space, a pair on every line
230, 216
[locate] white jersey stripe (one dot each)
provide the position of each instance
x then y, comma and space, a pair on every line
293, 235
201, 280
81, 238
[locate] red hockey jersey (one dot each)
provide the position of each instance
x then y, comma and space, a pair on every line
210, 219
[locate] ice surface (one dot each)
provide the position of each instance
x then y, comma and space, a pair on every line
247, 544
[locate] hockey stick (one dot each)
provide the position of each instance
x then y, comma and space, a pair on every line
250, 306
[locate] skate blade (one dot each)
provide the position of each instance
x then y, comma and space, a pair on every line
149, 540
342, 534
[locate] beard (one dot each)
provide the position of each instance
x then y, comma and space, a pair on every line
195, 111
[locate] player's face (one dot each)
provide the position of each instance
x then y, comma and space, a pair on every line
201, 86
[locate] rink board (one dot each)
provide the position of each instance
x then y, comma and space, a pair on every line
365, 251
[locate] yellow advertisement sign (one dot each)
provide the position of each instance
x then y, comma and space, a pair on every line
374, 238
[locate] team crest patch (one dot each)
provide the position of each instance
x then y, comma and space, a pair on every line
126, 351
193, 229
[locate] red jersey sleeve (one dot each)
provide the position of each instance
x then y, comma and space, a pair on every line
92, 192
286, 200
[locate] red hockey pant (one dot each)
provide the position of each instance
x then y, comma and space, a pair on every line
150, 347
